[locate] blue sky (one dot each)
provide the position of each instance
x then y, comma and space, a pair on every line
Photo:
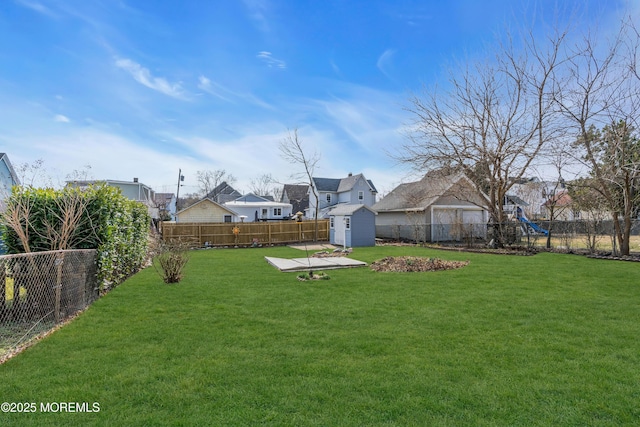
143, 88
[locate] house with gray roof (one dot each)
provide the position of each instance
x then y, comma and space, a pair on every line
223, 193
353, 189
297, 195
439, 207
133, 190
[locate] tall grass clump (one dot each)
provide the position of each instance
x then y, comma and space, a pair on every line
171, 260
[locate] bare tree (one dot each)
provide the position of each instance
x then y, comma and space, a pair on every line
34, 174
83, 174
210, 179
593, 207
293, 151
492, 123
262, 185
58, 222
559, 159
64, 219
277, 192
603, 90
16, 216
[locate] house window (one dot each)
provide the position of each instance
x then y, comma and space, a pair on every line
347, 223
331, 222
277, 211
328, 198
360, 195
227, 218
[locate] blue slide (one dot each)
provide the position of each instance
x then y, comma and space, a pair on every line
534, 227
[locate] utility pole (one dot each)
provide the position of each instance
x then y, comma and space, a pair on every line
180, 179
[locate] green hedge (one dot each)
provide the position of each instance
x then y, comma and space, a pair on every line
114, 225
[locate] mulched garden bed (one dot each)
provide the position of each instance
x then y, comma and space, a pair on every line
512, 250
524, 251
405, 264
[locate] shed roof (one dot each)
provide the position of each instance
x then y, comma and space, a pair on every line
349, 209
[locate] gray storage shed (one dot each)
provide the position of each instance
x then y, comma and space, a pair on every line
352, 225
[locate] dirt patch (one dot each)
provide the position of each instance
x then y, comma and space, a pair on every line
404, 264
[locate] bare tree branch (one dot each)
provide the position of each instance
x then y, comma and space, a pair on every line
293, 151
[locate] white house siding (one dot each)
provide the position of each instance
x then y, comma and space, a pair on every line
265, 210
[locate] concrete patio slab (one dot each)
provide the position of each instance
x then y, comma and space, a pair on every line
303, 264
312, 246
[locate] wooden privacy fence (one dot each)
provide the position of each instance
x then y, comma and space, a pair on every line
248, 233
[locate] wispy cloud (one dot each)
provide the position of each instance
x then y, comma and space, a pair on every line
385, 61
257, 12
271, 62
62, 119
143, 76
37, 7
212, 88
226, 94
335, 68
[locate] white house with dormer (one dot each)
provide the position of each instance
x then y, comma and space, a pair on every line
353, 189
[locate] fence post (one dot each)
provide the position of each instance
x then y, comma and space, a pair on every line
58, 263
3, 289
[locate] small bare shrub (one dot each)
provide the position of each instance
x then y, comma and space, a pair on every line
171, 260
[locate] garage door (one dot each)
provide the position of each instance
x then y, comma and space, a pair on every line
451, 224
474, 224
444, 221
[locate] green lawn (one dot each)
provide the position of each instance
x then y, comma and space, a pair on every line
549, 340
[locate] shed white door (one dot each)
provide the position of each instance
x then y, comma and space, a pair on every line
339, 230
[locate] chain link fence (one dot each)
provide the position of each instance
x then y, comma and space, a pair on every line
42, 289
566, 235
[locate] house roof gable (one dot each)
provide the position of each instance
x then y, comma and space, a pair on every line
420, 195
296, 192
341, 185
327, 184
222, 191
207, 201
252, 198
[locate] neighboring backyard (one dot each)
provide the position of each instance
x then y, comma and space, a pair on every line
549, 339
